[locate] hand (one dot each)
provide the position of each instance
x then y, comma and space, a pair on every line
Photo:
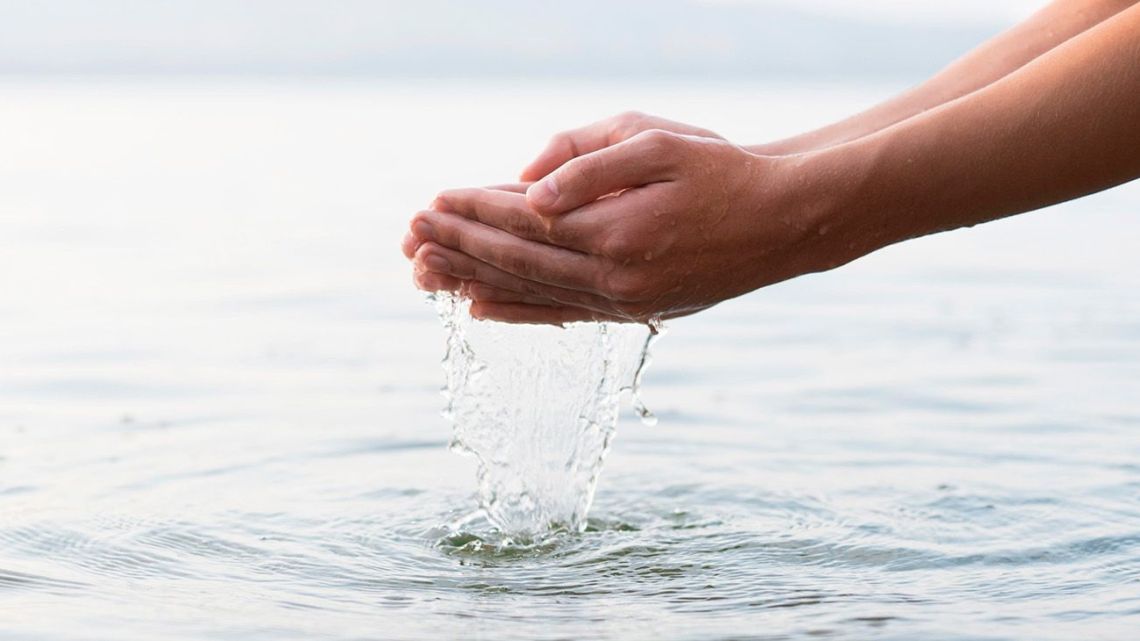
435, 281
659, 225
568, 145
666, 224
563, 147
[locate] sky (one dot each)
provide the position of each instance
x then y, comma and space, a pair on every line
980, 12
433, 38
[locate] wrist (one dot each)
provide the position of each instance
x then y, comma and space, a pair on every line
776, 148
825, 198
801, 144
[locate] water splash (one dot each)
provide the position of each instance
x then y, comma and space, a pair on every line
537, 407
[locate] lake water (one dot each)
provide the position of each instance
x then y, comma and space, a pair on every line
220, 410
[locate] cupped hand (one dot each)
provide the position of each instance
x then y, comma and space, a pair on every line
656, 226
568, 145
561, 148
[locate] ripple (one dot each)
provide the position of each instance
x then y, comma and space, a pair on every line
12, 580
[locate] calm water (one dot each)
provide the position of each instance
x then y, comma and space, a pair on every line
219, 408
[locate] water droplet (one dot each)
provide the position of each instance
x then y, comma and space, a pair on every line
656, 325
537, 407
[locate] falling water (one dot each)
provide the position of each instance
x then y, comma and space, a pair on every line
537, 407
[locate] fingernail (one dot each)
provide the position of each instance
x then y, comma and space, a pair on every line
543, 193
437, 263
409, 245
423, 230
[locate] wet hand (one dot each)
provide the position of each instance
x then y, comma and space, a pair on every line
659, 225
568, 145
561, 148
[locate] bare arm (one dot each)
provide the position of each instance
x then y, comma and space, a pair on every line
993, 60
681, 238
1065, 125
988, 63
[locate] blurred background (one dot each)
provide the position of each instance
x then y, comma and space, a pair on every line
431, 39
219, 408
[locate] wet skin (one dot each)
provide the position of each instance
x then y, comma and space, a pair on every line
637, 217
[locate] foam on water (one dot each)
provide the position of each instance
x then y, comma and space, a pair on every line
537, 406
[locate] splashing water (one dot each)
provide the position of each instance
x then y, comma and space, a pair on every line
537, 406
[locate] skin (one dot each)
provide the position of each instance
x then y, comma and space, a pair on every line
1053, 25
637, 218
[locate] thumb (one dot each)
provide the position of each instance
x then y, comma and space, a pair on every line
646, 158
568, 145
561, 148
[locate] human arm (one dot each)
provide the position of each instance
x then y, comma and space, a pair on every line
991, 61
709, 220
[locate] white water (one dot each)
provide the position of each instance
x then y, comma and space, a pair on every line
537, 406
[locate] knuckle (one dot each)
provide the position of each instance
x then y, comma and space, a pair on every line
480, 273
658, 146
621, 245
481, 291
562, 235
521, 267
518, 224
631, 118
433, 226
559, 140
453, 236
445, 201
659, 139
420, 218
514, 264
461, 265
627, 124
579, 173
424, 250
625, 286
428, 281
530, 288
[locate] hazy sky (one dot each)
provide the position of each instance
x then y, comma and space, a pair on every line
903, 11
477, 37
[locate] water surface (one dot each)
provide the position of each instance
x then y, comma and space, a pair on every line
220, 410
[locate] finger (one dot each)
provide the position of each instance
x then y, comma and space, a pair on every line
510, 212
526, 259
646, 158
522, 313
482, 292
439, 204
436, 282
568, 145
409, 245
516, 188
435, 258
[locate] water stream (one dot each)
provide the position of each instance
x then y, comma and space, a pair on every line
537, 407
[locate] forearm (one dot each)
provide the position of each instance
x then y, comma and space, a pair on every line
1065, 125
990, 62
